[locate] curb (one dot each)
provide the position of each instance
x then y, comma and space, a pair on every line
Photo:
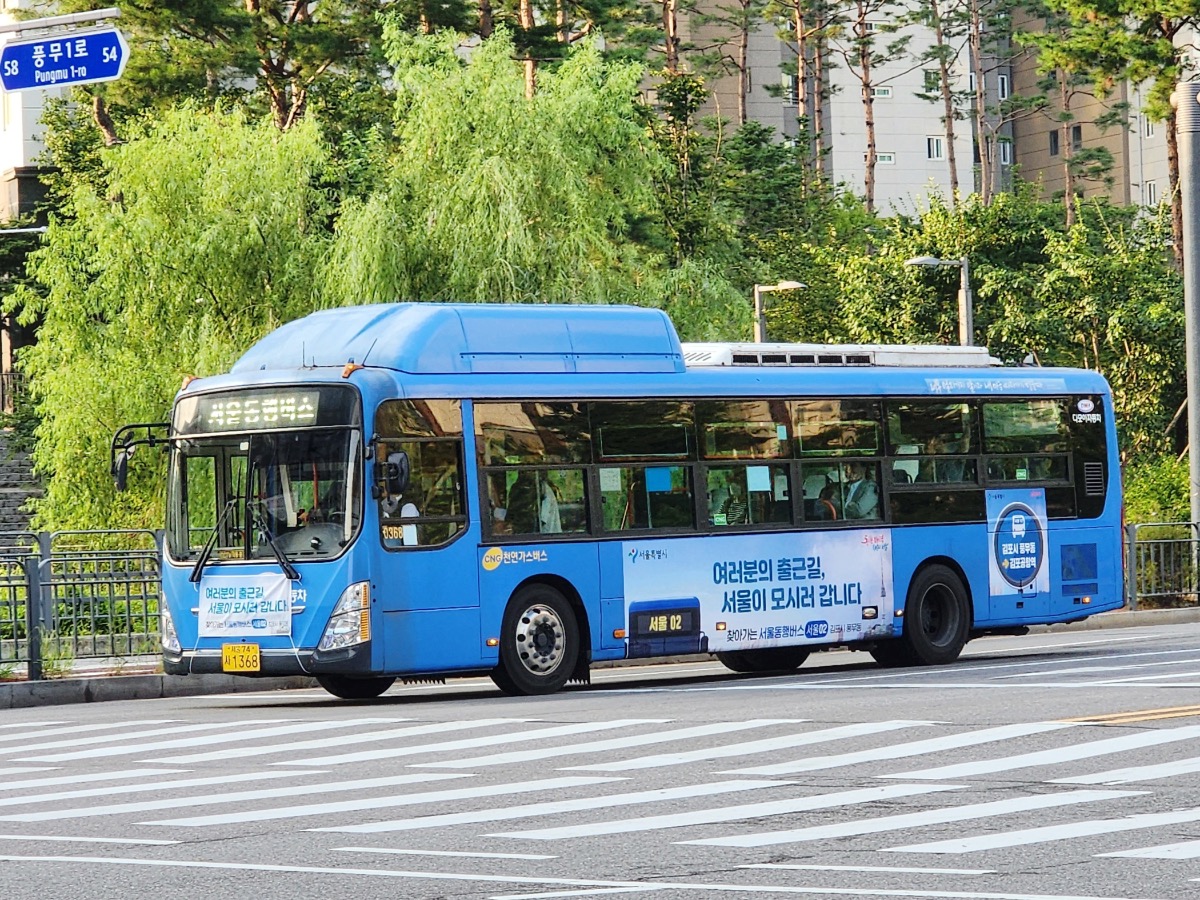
24, 694
55, 692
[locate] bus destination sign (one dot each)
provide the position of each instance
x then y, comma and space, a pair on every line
67, 58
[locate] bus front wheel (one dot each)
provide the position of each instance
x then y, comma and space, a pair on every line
354, 688
769, 659
937, 621
539, 642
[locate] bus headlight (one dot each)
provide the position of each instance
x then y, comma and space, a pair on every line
166, 628
350, 622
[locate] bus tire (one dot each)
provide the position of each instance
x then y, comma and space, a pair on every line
768, 659
539, 642
937, 621
355, 688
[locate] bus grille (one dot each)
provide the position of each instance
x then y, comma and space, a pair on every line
1093, 479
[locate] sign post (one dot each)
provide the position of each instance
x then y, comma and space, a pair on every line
67, 58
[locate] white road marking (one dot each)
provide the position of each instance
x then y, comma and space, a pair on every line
1181, 850
526, 880
79, 729
143, 787
512, 736
553, 807
230, 735
341, 806
1087, 750
83, 812
621, 743
291, 747
898, 751
1069, 831
913, 820
84, 779
85, 840
910, 870
731, 813
1136, 773
394, 851
748, 748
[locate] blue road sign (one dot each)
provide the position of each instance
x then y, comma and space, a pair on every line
75, 57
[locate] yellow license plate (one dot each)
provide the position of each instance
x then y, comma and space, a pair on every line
240, 658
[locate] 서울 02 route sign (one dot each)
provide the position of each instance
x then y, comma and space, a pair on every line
76, 57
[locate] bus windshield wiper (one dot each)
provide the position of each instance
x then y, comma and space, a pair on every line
211, 543
260, 520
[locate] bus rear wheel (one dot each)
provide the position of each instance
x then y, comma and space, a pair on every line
539, 642
769, 659
937, 621
355, 688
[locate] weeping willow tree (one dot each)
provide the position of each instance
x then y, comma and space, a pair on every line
496, 196
205, 234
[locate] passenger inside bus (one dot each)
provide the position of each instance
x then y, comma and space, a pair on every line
862, 497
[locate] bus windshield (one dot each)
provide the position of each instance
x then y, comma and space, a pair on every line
301, 490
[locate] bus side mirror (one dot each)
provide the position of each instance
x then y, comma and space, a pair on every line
395, 473
120, 467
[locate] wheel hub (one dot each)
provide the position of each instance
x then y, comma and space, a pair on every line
540, 640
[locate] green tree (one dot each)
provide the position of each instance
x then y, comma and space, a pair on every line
211, 235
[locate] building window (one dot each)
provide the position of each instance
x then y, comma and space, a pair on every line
1147, 127
933, 80
971, 82
1152, 193
935, 147
1002, 87
881, 93
1076, 137
885, 159
1006, 152
1054, 143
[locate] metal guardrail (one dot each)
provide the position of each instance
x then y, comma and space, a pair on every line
1161, 564
77, 595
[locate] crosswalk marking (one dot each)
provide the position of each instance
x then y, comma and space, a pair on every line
1069, 831
7, 737
85, 840
1136, 773
292, 747
621, 743
555, 807
21, 770
732, 813
9, 725
509, 737
145, 787
1181, 850
393, 851
231, 735
897, 751
748, 748
80, 778
1070, 753
83, 812
913, 820
445, 796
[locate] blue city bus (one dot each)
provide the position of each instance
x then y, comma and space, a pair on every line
421, 490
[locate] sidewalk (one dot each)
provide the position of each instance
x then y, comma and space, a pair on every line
137, 681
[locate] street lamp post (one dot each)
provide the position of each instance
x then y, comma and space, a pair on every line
966, 302
760, 311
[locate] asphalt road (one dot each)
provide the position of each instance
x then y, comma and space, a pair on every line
1056, 766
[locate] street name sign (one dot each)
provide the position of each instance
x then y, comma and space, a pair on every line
76, 57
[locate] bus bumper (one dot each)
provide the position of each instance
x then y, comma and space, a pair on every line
349, 661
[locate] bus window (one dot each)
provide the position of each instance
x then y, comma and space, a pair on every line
743, 429
532, 433
1025, 426
748, 495
644, 497
430, 511
543, 501
837, 427
642, 430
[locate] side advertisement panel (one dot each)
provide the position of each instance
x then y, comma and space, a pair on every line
746, 591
